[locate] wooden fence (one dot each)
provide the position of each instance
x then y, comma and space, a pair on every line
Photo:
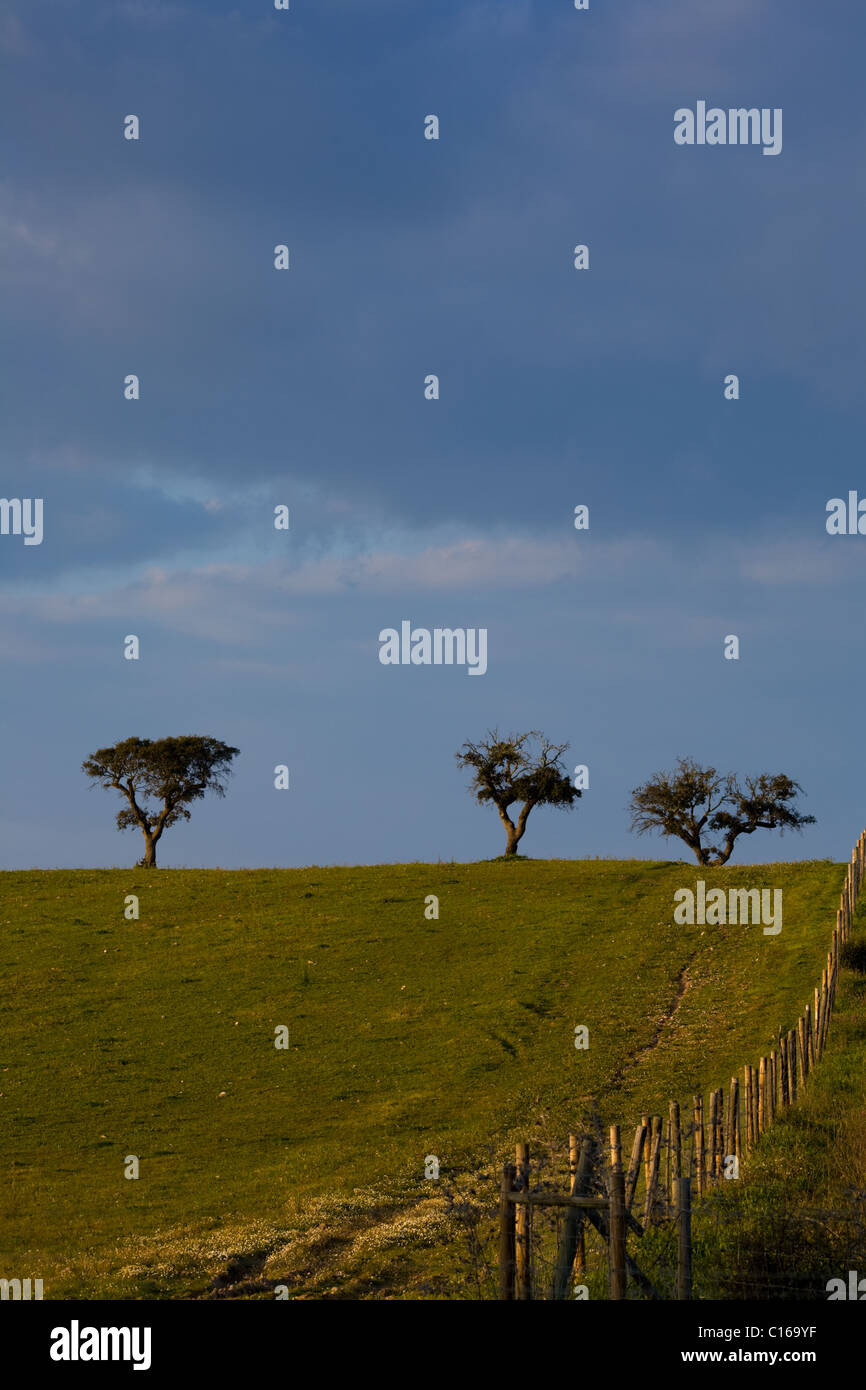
610, 1214
725, 1132
720, 1136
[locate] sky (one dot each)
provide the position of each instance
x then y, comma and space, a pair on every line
305, 388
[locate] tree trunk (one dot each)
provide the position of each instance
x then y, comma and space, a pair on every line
514, 832
149, 852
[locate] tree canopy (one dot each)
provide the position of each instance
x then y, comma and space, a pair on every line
693, 802
517, 768
173, 772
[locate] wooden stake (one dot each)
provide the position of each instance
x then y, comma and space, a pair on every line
667, 1184
522, 1253
762, 1095
802, 1050
640, 1137
615, 1150
654, 1170
506, 1234
580, 1184
684, 1238
699, 1144
580, 1252
676, 1148
714, 1128
617, 1229
772, 1087
571, 1251
732, 1141
831, 982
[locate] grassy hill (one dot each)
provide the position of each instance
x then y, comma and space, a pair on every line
408, 1037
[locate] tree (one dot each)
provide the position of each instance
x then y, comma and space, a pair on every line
508, 770
173, 771
694, 801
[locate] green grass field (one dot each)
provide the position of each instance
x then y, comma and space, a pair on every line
407, 1036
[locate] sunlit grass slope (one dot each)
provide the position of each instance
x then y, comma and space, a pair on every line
408, 1036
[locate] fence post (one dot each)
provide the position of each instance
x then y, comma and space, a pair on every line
616, 1224
832, 971
711, 1139
571, 1251
822, 1013
676, 1142
771, 1086
792, 1066
831, 974
668, 1197
762, 1095
653, 1170
802, 1050
732, 1137
684, 1238
699, 1144
506, 1234
523, 1227
634, 1166
579, 1186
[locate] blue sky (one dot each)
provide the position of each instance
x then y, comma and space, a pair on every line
306, 387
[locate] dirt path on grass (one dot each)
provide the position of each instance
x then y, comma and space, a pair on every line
683, 985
